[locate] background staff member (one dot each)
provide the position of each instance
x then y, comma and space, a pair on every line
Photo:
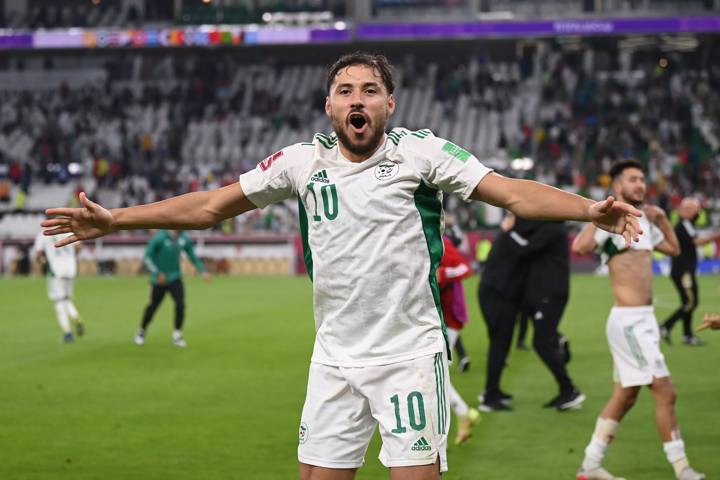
682, 271
545, 247
162, 258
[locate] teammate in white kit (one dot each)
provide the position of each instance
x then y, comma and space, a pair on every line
61, 272
370, 213
632, 331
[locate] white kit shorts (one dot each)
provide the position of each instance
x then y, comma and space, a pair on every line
408, 400
634, 339
60, 288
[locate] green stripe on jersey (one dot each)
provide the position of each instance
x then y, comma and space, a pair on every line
307, 253
421, 133
326, 141
430, 208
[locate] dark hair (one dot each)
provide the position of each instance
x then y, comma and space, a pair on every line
620, 167
378, 62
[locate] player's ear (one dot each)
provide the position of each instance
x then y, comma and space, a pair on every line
391, 104
328, 108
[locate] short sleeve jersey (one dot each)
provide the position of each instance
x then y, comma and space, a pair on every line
372, 239
610, 244
62, 262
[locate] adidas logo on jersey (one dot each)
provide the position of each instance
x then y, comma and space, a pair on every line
421, 445
320, 177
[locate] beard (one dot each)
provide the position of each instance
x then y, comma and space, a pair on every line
373, 137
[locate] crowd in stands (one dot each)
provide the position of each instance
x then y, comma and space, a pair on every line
160, 128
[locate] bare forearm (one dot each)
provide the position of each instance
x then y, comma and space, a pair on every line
182, 212
584, 242
192, 211
537, 201
667, 229
705, 240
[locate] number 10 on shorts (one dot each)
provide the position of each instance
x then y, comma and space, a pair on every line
415, 410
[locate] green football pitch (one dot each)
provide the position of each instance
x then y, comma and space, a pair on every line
228, 406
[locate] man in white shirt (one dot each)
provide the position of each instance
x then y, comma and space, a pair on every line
61, 270
370, 215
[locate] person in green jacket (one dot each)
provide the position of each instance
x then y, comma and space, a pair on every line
162, 258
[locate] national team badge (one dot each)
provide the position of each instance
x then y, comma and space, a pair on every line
386, 170
304, 433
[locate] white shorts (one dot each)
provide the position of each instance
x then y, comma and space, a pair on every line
60, 288
406, 399
634, 339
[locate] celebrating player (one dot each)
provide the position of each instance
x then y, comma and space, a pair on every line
632, 330
61, 266
370, 218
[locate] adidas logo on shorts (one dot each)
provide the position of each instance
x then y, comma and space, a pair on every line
421, 445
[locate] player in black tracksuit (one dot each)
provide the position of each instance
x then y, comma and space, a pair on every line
527, 266
546, 294
682, 272
500, 295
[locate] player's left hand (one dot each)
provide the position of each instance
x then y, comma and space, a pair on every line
653, 213
617, 217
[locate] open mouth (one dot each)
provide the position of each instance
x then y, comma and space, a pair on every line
358, 122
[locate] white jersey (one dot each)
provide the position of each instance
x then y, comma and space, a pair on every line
610, 244
62, 262
372, 239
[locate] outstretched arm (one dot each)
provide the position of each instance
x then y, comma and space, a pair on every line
700, 241
537, 201
192, 211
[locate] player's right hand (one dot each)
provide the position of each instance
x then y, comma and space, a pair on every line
711, 320
85, 223
161, 279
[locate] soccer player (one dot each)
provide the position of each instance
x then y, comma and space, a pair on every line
682, 271
162, 258
452, 271
370, 218
632, 330
61, 270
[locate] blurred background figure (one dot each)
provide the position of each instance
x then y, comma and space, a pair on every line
60, 265
683, 271
162, 258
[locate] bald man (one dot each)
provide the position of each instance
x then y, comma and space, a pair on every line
683, 270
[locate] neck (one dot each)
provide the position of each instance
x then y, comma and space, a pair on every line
356, 158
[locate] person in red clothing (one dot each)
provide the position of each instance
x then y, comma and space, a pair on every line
453, 269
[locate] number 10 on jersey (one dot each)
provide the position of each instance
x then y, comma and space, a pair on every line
328, 193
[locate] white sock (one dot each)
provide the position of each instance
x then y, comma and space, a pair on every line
602, 437
177, 334
71, 310
62, 316
456, 402
675, 452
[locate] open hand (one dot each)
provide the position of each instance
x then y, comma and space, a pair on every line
711, 320
653, 213
617, 217
85, 223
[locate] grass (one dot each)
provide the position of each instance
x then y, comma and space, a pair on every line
228, 406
